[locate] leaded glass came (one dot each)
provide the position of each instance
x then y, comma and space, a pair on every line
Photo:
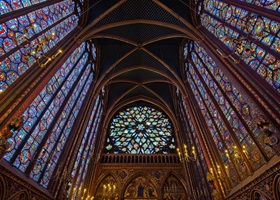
140, 130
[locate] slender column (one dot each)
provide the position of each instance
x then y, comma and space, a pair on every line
89, 182
95, 130
206, 143
192, 137
186, 166
193, 163
96, 164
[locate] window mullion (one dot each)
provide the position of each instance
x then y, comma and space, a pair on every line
24, 140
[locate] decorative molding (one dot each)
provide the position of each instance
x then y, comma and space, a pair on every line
262, 182
15, 186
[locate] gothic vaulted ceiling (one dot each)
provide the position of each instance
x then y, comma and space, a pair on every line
139, 42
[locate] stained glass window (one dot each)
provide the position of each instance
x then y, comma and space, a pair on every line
37, 107
192, 139
40, 142
251, 37
86, 148
227, 113
140, 130
25, 39
7, 6
269, 4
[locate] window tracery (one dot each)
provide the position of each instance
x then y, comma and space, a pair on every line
140, 130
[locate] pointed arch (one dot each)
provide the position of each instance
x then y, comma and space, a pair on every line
22, 195
108, 184
276, 187
170, 187
134, 188
259, 195
2, 188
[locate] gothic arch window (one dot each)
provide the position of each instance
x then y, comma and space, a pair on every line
252, 38
27, 38
49, 119
140, 130
227, 113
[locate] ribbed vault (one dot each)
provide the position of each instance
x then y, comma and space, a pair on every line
139, 44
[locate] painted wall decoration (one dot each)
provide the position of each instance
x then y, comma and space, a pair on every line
108, 189
173, 189
140, 188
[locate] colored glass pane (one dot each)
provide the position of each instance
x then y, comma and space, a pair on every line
80, 92
85, 137
45, 122
258, 27
49, 147
21, 31
140, 130
268, 4
86, 150
37, 107
215, 124
263, 63
211, 72
230, 114
7, 6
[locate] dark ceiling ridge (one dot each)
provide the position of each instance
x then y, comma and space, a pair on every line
165, 75
181, 29
104, 14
